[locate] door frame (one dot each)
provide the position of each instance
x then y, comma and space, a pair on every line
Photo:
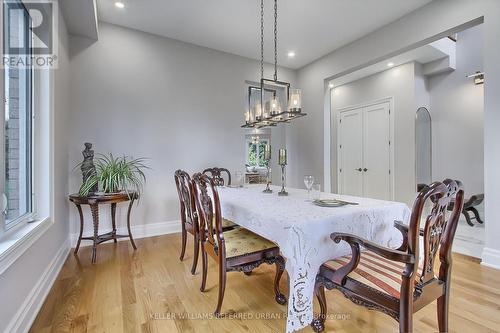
389, 100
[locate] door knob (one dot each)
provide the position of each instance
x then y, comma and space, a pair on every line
365, 169
359, 169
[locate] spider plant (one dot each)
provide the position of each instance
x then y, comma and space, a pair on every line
116, 174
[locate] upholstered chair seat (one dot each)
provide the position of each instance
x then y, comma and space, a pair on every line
374, 271
241, 241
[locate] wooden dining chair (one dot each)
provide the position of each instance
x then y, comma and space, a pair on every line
392, 280
216, 174
189, 218
235, 250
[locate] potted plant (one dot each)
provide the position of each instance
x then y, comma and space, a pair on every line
116, 175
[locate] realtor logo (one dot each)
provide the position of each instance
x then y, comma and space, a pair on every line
30, 33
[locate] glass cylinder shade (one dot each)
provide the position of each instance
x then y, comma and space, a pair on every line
275, 106
258, 111
252, 114
267, 109
295, 100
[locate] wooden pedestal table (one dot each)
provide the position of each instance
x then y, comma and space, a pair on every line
94, 201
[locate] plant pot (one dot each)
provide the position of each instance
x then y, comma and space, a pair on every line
109, 193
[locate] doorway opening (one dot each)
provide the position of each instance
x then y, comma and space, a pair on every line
437, 95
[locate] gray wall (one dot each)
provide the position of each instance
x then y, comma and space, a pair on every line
429, 23
18, 284
143, 95
457, 108
398, 83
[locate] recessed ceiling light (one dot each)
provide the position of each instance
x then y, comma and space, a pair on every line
291, 54
119, 4
390, 64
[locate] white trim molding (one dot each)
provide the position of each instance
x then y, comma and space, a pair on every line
138, 231
24, 317
16, 244
491, 258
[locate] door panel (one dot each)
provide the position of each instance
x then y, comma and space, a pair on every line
351, 152
376, 152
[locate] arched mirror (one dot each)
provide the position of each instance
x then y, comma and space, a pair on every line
423, 147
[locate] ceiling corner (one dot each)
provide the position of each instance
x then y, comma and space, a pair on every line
81, 17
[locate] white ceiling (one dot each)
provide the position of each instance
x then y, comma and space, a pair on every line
311, 28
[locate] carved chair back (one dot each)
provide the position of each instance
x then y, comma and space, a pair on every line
439, 228
186, 199
216, 174
209, 213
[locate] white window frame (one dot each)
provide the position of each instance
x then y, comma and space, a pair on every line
247, 142
19, 238
31, 214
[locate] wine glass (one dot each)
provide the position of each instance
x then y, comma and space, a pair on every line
308, 182
316, 190
239, 178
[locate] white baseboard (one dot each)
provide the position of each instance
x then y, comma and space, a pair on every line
24, 317
491, 258
138, 231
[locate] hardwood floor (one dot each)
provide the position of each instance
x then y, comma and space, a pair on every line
143, 291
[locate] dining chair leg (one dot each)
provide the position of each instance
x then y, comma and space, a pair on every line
406, 305
405, 321
222, 287
476, 215
195, 255
204, 268
280, 268
318, 324
467, 218
442, 312
184, 241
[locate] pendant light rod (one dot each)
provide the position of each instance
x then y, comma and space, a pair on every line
275, 40
261, 39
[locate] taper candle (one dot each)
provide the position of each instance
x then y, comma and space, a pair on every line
282, 157
267, 152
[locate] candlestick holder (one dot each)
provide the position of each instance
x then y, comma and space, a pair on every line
283, 192
268, 177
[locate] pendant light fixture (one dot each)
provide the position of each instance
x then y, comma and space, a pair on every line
270, 110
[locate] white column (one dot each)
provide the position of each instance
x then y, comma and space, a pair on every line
491, 253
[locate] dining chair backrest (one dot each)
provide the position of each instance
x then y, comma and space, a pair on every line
186, 198
216, 174
439, 228
209, 212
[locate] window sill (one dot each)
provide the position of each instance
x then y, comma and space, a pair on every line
13, 245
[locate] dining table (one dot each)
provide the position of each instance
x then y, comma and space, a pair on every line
302, 231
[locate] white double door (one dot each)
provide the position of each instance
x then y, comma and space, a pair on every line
365, 152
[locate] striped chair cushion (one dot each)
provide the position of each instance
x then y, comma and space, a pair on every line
374, 271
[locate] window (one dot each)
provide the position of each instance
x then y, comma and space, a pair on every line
17, 124
255, 152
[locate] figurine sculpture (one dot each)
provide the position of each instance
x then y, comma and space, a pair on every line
88, 167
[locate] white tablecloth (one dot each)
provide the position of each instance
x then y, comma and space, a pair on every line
302, 231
